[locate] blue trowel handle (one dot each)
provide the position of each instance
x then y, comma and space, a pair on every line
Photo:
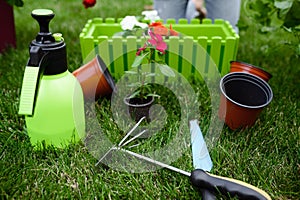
226, 186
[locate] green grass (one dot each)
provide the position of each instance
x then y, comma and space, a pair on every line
266, 155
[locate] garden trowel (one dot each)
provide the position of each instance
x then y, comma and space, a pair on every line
201, 157
209, 184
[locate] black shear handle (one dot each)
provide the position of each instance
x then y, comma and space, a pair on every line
226, 186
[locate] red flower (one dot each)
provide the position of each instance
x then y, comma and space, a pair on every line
155, 24
141, 49
159, 28
88, 3
157, 41
173, 32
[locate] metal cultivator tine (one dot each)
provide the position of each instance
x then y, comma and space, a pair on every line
123, 142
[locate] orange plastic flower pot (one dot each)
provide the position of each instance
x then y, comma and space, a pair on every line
95, 79
243, 98
238, 66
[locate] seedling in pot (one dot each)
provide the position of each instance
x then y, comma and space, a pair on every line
153, 51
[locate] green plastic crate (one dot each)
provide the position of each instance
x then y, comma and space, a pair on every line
218, 39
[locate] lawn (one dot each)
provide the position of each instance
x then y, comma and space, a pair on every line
266, 155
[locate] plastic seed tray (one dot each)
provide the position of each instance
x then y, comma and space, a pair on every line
200, 46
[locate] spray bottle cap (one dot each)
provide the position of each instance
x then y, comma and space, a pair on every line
56, 59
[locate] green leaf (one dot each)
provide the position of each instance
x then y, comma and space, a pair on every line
152, 95
137, 84
292, 18
135, 94
262, 11
267, 29
166, 70
138, 60
130, 72
283, 8
242, 25
150, 75
283, 4
18, 3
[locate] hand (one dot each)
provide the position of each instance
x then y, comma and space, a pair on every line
199, 4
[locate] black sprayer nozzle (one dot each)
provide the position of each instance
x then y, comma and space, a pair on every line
43, 17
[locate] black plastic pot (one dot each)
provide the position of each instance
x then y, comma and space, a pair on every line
139, 107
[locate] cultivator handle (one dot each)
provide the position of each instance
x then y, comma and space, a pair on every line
226, 186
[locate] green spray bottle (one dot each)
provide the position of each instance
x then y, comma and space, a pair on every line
51, 97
